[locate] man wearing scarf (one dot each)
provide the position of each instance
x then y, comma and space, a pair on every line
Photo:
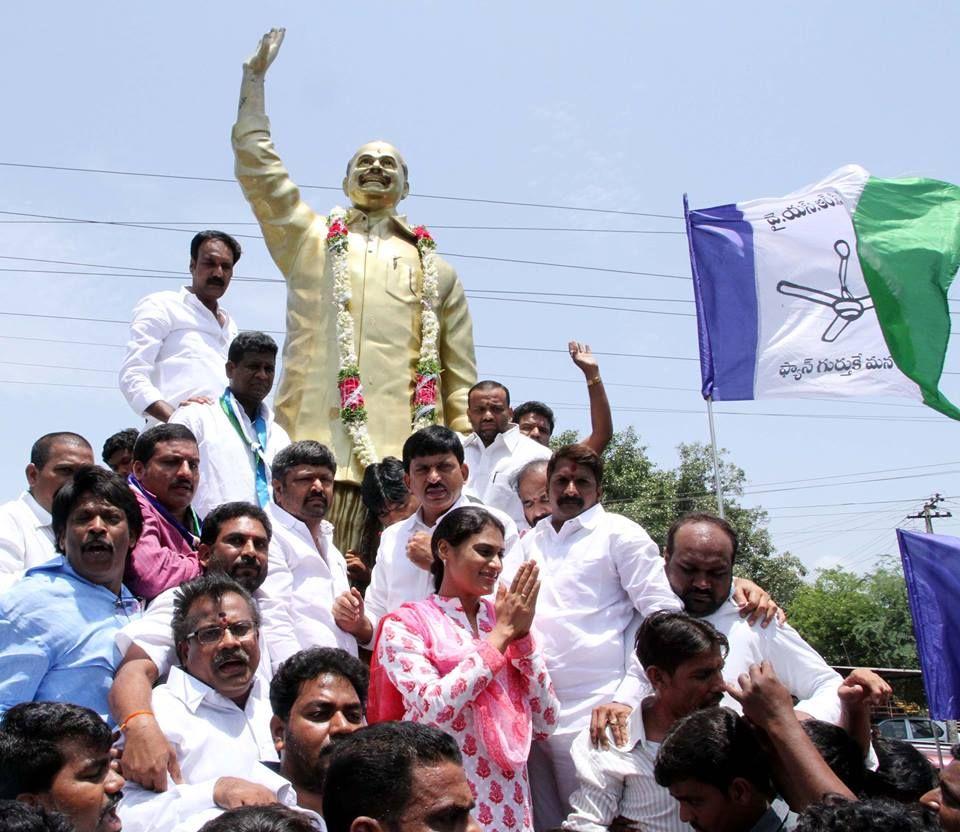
237, 435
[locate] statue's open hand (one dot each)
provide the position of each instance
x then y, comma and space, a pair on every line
260, 61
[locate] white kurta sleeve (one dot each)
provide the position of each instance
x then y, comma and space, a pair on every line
640, 568
150, 326
803, 671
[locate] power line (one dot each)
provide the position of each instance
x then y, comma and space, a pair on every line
543, 263
278, 282
338, 189
472, 296
750, 492
618, 409
432, 226
179, 275
931, 419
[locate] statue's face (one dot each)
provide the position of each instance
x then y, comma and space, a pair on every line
375, 177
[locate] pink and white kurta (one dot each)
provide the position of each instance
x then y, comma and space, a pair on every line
453, 699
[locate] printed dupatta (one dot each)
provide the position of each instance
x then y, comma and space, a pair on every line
502, 714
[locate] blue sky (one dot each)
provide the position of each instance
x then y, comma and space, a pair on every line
613, 106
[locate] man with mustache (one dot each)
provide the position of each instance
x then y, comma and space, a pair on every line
307, 571
496, 449
318, 697
234, 542
237, 435
26, 533
213, 709
166, 469
683, 659
435, 475
178, 340
381, 257
57, 756
57, 624
699, 556
598, 571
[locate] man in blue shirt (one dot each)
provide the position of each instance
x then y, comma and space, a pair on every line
57, 625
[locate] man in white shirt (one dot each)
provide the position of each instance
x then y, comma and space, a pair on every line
234, 542
178, 340
214, 708
237, 435
699, 556
496, 449
597, 571
683, 659
307, 572
318, 698
26, 530
435, 475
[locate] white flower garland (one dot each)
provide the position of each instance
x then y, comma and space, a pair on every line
353, 412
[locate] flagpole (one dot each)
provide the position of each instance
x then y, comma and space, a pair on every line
716, 459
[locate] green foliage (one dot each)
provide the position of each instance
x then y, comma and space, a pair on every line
849, 620
860, 621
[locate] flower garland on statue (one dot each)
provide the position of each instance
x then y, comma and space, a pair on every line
353, 412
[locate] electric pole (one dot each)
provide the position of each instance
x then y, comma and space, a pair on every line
928, 512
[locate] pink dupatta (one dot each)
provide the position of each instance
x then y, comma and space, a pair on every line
502, 714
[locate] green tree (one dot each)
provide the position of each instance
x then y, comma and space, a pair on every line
858, 620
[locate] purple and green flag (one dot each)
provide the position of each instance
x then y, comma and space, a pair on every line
839, 289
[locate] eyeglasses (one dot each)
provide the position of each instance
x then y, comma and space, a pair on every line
214, 634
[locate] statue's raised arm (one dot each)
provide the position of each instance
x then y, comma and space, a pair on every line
378, 335
255, 70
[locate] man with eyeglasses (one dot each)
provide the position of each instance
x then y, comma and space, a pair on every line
214, 709
234, 542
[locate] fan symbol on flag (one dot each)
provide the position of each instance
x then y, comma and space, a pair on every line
846, 307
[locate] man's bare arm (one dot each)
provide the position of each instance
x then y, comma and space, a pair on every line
601, 419
147, 756
161, 411
801, 774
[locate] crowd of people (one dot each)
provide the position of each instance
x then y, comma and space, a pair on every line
184, 646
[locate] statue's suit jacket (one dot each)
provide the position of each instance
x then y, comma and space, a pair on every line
385, 278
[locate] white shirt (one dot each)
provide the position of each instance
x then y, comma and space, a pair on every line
212, 737
177, 349
153, 634
619, 781
26, 538
396, 579
595, 573
227, 465
286, 796
491, 468
304, 577
805, 674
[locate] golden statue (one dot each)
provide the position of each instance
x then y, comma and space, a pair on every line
362, 289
